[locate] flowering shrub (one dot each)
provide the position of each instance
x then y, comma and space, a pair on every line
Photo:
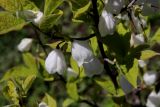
92, 53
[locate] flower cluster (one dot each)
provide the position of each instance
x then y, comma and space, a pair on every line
81, 53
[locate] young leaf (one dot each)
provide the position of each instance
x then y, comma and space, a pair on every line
67, 102
81, 10
51, 5
148, 54
133, 73
28, 82
50, 20
8, 23
72, 90
49, 101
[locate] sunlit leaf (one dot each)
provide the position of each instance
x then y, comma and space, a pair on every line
50, 101
148, 54
72, 90
51, 5
8, 23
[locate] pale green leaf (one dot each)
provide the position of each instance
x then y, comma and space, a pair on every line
121, 29
28, 82
51, 5
67, 102
156, 37
82, 10
133, 73
145, 55
49, 100
15, 5
72, 90
49, 21
8, 23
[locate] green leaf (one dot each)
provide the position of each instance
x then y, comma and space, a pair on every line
51, 5
106, 84
147, 54
28, 82
72, 90
8, 23
15, 5
10, 92
49, 101
133, 73
156, 37
49, 21
121, 29
67, 102
22, 70
82, 10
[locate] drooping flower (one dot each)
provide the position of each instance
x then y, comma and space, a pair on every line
106, 23
137, 39
55, 62
25, 44
150, 77
94, 67
42, 104
81, 52
153, 99
114, 6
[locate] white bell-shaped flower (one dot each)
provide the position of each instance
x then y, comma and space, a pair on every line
150, 77
137, 39
114, 6
25, 44
94, 67
106, 23
42, 104
81, 52
55, 62
153, 99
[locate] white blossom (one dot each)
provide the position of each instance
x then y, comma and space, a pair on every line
114, 6
137, 39
94, 67
106, 23
150, 77
55, 62
42, 104
141, 63
25, 44
153, 99
81, 52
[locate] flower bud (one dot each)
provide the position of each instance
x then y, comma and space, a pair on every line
34, 16
94, 67
42, 104
114, 6
81, 52
153, 99
38, 18
150, 77
55, 62
106, 24
141, 63
25, 44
